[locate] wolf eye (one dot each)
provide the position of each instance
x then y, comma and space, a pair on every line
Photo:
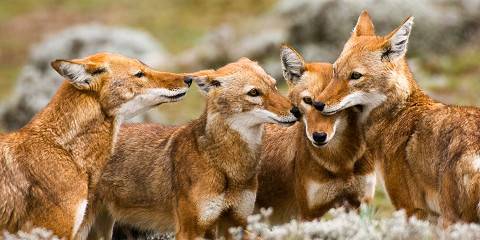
99, 71
355, 75
253, 93
295, 75
215, 83
308, 100
139, 74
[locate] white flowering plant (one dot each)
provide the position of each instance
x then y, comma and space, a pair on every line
362, 225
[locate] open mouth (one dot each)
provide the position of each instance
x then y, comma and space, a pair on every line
329, 112
285, 121
172, 98
177, 96
338, 109
359, 107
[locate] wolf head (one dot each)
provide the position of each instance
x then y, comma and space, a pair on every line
306, 83
123, 86
370, 68
243, 91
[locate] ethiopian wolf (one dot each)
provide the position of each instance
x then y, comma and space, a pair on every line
427, 152
318, 163
50, 167
194, 177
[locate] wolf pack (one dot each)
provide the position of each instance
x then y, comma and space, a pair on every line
76, 169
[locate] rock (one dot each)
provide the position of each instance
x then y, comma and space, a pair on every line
38, 82
320, 28
440, 25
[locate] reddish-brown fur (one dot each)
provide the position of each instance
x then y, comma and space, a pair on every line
53, 164
426, 151
200, 174
291, 162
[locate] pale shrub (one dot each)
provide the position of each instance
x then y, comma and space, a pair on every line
350, 225
338, 225
30, 234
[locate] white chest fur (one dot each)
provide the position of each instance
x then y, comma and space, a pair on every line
319, 193
241, 203
210, 209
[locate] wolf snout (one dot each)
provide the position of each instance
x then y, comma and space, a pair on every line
319, 105
349, 202
296, 112
188, 80
320, 138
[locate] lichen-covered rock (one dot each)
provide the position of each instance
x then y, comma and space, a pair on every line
38, 81
441, 25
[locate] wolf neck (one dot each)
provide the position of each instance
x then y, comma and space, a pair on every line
398, 110
75, 122
401, 96
219, 126
233, 146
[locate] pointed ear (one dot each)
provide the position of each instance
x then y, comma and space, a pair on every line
293, 64
364, 25
74, 72
245, 59
202, 83
396, 43
204, 80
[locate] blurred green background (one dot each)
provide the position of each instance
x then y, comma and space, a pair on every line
180, 24
177, 24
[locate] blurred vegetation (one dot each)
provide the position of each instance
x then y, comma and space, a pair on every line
176, 24
457, 75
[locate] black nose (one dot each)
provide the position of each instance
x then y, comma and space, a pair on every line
319, 105
319, 137
350, 202
296, 112
188, 80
